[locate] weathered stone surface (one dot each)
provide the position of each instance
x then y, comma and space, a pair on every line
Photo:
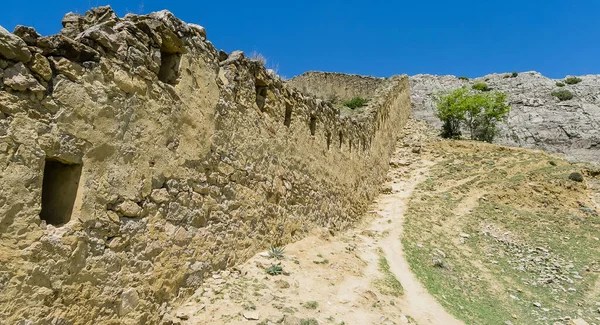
178, 176
19, 78
27, 34
578, 321
12, 47
129, 301
537, 119
201, 31
160, 196
65, 67
59, 45
130, 209
41, 66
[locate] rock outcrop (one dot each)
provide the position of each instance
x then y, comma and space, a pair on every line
136, 159
537, 120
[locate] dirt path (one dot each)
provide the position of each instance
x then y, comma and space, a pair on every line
416, 302
330, 279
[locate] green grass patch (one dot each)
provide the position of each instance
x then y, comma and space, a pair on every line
356, 102
388, 284
311, 305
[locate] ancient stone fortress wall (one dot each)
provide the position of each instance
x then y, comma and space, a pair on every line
136, 159
336, 87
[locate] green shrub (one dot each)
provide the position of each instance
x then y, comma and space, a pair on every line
560, 84
572, 80
577, 177
506, 76
481, 86
562, 94
465, 78
356, 102
309, 321
311, 305
514, 74
478, 112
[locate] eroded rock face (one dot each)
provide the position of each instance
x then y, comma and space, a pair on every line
178, 161
537, 120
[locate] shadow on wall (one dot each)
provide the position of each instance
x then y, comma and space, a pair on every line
59, 191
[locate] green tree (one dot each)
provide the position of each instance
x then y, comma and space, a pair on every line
493, 110
479, 112
451, 111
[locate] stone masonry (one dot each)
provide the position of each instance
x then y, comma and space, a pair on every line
336, 87
136, 159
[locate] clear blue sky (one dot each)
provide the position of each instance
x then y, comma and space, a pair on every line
381, 38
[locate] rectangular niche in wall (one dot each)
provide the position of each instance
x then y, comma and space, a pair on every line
59, 190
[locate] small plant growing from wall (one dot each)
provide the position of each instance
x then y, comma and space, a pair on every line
356, 102
277, 253
560, 84
514, 74
476, 111
274, 270
562, 94
573, 80
257, 57
465, 78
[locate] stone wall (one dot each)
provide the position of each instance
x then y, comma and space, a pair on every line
336, 87
154, 159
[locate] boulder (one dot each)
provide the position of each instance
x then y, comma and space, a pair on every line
19, 78
41, 66
60, 45
13, 47
129, 301
27, 34
130, 209
200, 31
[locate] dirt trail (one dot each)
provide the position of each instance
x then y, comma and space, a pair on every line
330, 279
416, 302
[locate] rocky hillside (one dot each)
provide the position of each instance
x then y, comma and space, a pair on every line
538, 119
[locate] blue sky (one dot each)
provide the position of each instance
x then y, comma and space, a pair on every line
381, 38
